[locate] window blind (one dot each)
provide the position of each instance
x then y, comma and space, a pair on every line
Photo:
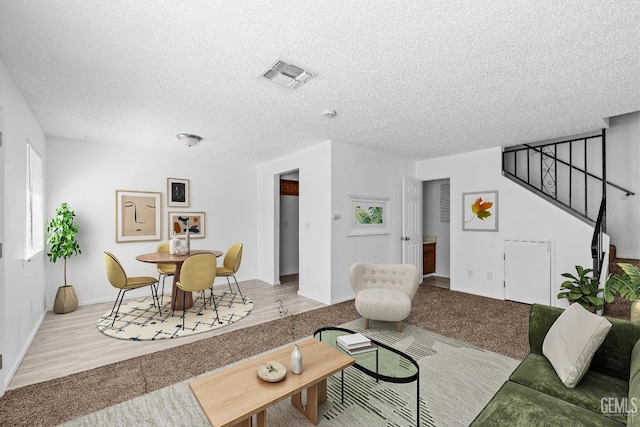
445, 202
34, 236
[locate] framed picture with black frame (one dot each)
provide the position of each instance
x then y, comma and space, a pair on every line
178, 192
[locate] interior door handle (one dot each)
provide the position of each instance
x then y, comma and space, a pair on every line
405, 238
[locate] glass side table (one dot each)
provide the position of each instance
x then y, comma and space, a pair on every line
384, 363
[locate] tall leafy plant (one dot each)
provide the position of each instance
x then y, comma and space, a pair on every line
62, 232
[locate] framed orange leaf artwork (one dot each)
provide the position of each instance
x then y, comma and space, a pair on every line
480, 211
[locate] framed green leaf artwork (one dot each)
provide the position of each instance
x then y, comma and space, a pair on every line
480, 211
368, 215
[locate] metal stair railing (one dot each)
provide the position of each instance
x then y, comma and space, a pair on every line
558, 170
597, 249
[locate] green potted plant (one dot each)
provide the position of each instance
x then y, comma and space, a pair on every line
627, 286
582, 289
62, 232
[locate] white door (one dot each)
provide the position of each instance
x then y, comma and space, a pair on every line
412, 222
527, 271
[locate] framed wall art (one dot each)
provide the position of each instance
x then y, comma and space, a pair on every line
178, 192
368, 215
138, 216
180, 221
480, 211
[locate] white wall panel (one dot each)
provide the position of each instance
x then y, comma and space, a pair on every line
23, 289
314, 165
477, 257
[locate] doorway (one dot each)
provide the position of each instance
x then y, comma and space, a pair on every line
436, 230
289, 252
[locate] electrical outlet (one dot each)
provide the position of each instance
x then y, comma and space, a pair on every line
469, 273
489, 275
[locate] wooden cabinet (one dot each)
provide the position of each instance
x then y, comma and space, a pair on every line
289, 187
428, 258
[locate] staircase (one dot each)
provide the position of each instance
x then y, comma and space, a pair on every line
571, 174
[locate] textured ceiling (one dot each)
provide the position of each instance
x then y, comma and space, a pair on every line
419, 79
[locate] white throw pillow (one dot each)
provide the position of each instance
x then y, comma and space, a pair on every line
572, 341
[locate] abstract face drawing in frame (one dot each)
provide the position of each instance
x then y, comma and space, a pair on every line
137, 216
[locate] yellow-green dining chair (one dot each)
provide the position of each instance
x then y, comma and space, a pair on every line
164, 270
197, 274
118, 279
231, 265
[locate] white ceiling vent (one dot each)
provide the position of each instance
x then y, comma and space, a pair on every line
287, 75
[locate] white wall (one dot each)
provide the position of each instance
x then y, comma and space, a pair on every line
521, 215
623, 168
365, 173
314, 165
86, 175
432, 226
22, 290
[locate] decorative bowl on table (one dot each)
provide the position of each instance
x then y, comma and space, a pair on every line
271, 371
182, 250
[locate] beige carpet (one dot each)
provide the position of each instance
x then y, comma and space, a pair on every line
499, 326
140, 319
456, 382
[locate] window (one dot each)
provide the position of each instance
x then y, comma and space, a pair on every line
34, 236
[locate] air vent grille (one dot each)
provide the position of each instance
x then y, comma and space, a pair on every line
287, 75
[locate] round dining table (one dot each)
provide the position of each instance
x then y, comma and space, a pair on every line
177, 295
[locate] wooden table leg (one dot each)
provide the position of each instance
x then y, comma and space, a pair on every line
244, 423
310, 410
261, 419
322, 392
178, 295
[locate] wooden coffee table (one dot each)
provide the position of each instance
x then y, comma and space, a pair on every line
231, 396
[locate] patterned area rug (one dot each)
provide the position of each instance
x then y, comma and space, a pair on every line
456, 381
139, 319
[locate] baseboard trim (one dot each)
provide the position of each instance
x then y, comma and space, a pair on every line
343, 299
12, 371
480, 294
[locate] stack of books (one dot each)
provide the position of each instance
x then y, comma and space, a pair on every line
355, 343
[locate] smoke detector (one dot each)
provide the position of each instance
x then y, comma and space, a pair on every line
328, 113
287, 75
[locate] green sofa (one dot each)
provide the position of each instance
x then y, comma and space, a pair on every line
535, 396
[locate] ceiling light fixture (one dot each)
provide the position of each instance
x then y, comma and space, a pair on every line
189, 139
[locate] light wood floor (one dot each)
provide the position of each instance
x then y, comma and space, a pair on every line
71, 343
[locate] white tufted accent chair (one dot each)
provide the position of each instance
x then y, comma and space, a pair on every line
384, 291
